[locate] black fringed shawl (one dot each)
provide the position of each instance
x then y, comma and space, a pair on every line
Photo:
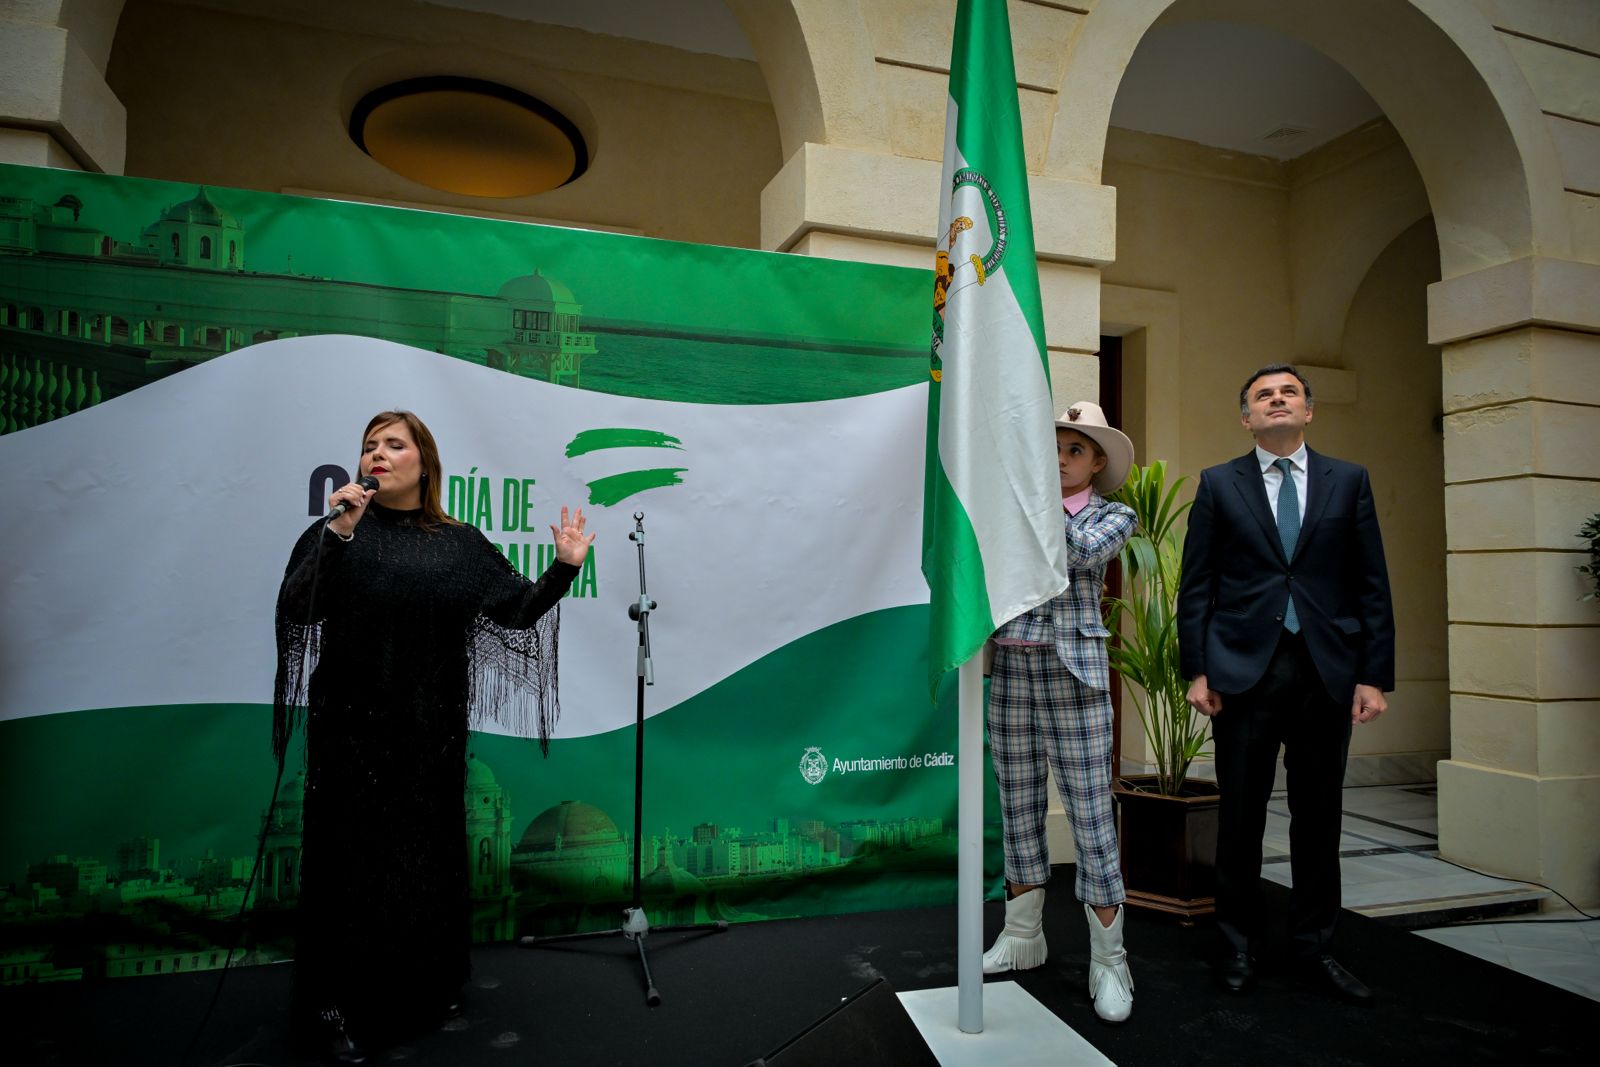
406, 610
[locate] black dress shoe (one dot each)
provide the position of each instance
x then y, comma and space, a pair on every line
1237, 972
1327, 974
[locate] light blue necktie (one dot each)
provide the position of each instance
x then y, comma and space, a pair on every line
1288, 532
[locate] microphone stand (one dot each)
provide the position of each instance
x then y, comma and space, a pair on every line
635, 923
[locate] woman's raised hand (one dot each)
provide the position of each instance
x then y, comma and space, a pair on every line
571, 544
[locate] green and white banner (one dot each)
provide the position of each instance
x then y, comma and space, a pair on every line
183, 376
992, 540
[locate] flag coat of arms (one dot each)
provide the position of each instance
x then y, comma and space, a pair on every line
993, 544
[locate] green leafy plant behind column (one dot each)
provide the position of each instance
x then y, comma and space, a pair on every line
1590, 532
1144, 618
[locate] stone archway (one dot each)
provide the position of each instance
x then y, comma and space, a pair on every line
1472, 125
817, 58
1497, 139
1522, 408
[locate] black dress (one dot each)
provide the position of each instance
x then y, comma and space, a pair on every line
417, 635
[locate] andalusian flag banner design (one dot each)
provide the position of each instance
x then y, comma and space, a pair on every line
992, 544
184, 373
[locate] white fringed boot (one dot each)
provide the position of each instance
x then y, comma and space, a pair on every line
1110, 981
1021, 944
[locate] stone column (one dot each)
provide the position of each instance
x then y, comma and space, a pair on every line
843, 203
56, 109
1520, 793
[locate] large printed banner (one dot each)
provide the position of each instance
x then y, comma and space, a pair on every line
184, 374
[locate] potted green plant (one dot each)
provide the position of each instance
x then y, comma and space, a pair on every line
1167, 822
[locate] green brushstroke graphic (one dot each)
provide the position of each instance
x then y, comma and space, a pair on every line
603, 492
620, 437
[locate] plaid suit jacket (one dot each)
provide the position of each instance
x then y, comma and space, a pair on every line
1072, 621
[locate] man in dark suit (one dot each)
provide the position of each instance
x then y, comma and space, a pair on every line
1286, 633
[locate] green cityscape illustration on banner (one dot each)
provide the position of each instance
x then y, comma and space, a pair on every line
569, 869
93, 317
93, 306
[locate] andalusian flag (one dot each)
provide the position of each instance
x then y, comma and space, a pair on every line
992, 542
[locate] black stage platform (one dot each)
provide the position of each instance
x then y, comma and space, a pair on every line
732, 997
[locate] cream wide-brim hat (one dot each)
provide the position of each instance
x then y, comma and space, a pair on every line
1086, 417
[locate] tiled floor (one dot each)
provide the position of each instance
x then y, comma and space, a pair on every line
1383, 880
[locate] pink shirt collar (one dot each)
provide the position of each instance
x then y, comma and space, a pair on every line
1077, 501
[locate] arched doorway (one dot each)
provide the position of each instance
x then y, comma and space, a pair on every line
1505, 312
1260, 248
1494, 117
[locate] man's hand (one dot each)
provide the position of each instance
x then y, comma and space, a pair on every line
1203, 698
1367, 704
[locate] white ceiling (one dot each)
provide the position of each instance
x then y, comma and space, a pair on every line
692, 25
1229, 85
1222, 84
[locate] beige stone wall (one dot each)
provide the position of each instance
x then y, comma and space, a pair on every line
1522, 466
1390, 422
1522, 470
681, 144
56, 109
1213, 230
1555, 45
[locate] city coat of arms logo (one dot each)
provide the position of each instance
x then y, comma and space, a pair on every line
978, 226
813, 765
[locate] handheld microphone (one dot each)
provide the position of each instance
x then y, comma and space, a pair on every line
366, 481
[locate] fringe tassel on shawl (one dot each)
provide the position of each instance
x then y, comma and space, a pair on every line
514, 682
298, 645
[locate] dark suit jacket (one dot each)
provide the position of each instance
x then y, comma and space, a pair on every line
1236, 582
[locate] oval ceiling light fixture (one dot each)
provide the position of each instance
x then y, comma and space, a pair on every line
468, 136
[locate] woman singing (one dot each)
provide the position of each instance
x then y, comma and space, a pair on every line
399, 629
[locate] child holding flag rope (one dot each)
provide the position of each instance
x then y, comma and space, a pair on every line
1049, 698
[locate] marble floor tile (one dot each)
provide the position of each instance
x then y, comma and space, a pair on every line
1563, 954
1484, 949
1484, 935
1412, 832
1386, 799
1575, 973
1559, 937
1359, 874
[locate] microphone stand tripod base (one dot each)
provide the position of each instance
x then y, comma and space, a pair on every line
635, 924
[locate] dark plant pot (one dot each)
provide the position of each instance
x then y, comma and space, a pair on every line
1169, 846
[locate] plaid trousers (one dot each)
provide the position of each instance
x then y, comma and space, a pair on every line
1038, 710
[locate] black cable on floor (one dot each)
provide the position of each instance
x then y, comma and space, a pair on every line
1472, 870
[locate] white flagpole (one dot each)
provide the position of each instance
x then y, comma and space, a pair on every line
969, 837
